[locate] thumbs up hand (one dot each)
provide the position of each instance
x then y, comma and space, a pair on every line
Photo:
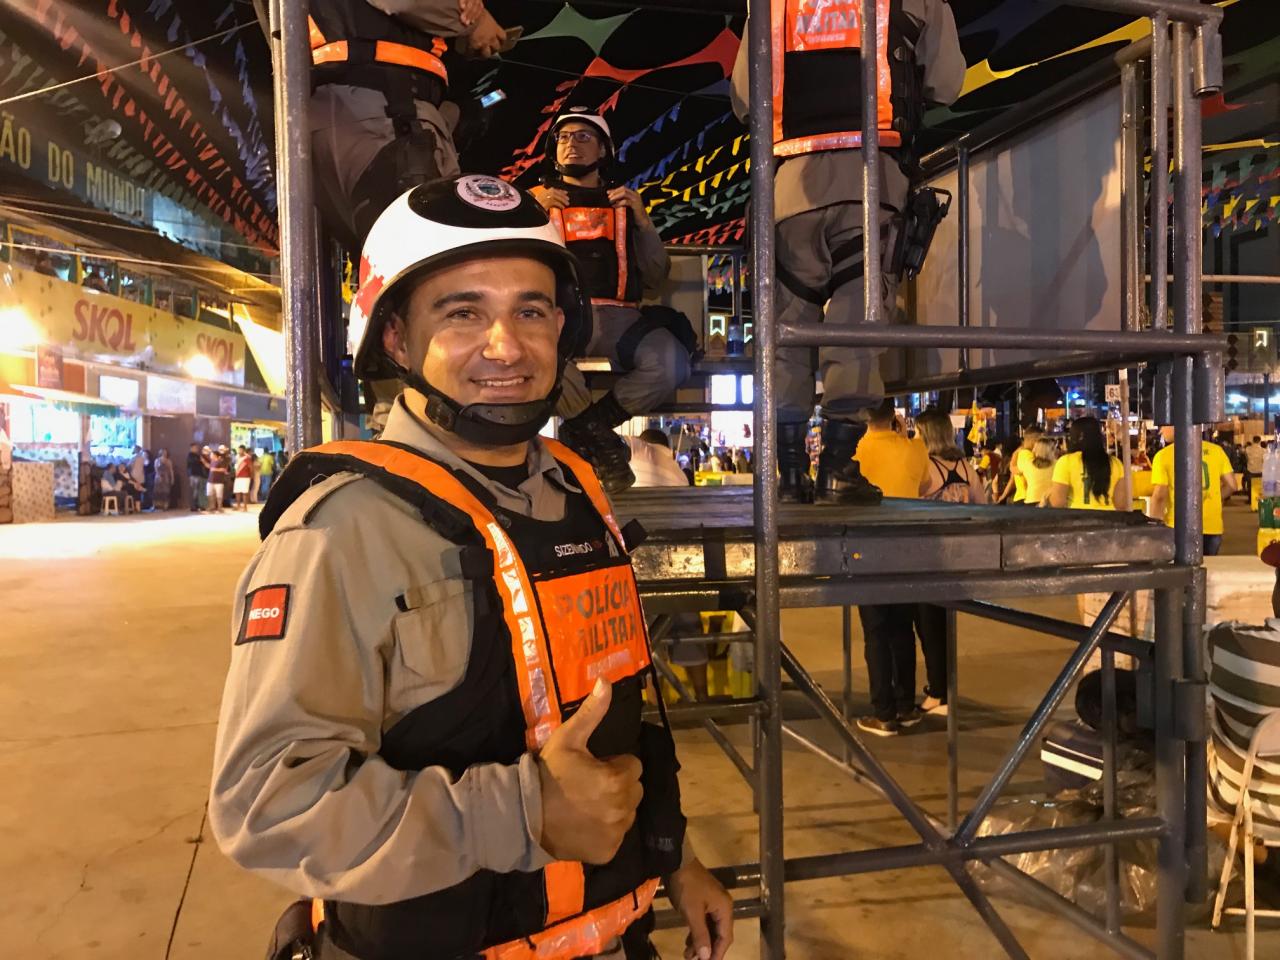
588, 805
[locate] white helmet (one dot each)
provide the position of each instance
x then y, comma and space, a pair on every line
591, 119
440, 224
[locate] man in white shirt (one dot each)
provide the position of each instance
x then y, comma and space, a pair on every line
652, 462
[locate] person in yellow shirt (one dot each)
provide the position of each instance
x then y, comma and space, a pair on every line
1217, 482
1038, 471
897, 466
1087, 477
897, 463
1019, 464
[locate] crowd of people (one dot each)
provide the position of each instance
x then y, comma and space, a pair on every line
141, 483
1075, 469
928, 460
217, 479
221, 480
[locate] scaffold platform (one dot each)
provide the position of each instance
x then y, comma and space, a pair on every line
703, 540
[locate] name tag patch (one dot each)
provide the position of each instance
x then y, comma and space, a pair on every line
595, 628
266, 614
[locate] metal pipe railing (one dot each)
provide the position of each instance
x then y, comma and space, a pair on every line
1182, 10
1067, 365
1075, 632
1189, 405
1132, 221
701, 249
872, 297
1158, 213
996, 338
1171, 860
1206, 60
291, 81
1242, 278
768, 730
962, 246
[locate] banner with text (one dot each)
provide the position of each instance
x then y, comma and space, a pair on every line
42, 311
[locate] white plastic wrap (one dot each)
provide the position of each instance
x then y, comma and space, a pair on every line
1079, 874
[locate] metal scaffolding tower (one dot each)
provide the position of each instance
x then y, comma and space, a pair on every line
761, 557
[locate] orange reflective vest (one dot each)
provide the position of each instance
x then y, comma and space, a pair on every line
347, 34
564, 599
599, 235
817, 75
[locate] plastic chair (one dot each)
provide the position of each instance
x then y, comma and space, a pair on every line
111, 505
1265, 743
130, 504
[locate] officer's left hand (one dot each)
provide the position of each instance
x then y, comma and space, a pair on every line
706, 907
487, 38
551, 198
469, 11
626, 197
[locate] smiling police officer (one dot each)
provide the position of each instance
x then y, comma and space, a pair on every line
414, 732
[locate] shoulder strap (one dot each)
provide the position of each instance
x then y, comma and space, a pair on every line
363, 457
948, 474
622, 241
440, 486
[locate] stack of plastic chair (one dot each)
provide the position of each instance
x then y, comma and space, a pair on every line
1265, 744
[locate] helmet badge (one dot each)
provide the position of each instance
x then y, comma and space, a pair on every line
488, 193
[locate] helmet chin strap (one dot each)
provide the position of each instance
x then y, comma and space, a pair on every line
484, 424
577, 169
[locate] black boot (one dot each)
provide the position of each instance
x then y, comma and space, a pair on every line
590, 435
794, 482
840, 479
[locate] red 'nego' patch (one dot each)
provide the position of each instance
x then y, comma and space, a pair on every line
266, 612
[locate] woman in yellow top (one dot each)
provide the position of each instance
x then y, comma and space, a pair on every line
1087, 477
1037, 471
1019, 465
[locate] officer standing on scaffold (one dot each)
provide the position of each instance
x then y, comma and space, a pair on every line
817, 124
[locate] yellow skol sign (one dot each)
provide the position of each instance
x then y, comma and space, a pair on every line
40, 310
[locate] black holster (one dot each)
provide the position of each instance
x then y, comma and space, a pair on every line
926, 207
293, 938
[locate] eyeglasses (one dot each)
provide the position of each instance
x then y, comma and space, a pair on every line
576, 136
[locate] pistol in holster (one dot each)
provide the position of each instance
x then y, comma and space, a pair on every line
917, 223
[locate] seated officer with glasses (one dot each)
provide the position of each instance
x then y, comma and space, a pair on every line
622, 256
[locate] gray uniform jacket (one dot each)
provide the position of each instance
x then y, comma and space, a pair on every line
651, 260
816, 180
299, 793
